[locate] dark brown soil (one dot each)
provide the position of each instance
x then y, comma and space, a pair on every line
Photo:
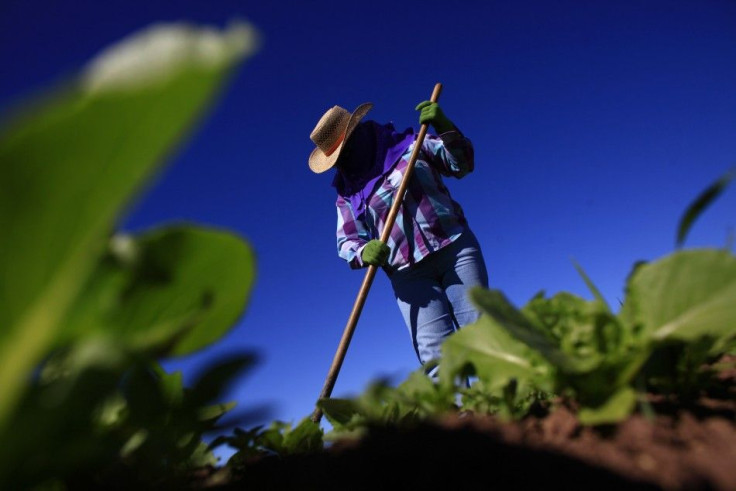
692, 448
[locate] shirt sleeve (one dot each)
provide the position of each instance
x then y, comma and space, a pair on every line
352, 234
451, 153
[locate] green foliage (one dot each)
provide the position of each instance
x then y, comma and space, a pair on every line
279, 439
494, 354
175, 289
583, 352
67, 168
685, 296
85, 312
594, 356
678, 314
697, 207
514, 400
99, 413
415, 399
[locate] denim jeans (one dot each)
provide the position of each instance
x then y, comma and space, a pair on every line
432, 295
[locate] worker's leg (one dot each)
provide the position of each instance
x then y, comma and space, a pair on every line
432, 295
465, 268
425, 309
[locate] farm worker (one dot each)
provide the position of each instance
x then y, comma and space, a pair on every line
432, 257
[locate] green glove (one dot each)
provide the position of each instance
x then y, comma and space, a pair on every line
375, 252
432, 113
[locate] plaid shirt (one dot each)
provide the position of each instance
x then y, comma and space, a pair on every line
428, 218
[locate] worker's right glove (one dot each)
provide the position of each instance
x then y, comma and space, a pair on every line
375, 252
431, 113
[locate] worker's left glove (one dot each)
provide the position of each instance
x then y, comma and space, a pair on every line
431, 113
375, 252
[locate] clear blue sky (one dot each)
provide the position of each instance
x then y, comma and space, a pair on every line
594, 124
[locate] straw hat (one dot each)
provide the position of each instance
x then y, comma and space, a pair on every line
331, 133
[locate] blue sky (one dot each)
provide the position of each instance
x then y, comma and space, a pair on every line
594, 124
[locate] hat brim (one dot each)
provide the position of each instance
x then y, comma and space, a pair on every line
320, 162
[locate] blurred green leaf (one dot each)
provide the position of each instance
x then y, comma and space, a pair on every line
700, 203
214, 412
171, 386
202, 456
272, 438
57, 426
69, 164
339, 411
616, 408
508, 335
136, 440
72, 161
305, 438
591, 286
685, 296
421, 392
495, 356
184, 289
215, 379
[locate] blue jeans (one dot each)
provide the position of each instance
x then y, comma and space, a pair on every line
432, 294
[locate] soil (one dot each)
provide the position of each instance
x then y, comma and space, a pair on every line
678, 448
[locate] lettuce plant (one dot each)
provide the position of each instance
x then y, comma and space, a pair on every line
581, 349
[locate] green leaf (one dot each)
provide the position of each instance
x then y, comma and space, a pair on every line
146, 396
495, 306
209, 385
305, 438
202, 456
416, 384
585, 331
272, 438
339, 411
211, 413
617, 408
700, 204
134, 443
111, 412
186, 288
72, 161
172, 387
419, 396
58, 422
685, 296
591, 286
489, 347
420, 391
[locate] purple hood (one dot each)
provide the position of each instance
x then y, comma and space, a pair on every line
371, 151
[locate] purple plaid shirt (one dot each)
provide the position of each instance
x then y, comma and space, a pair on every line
428, 219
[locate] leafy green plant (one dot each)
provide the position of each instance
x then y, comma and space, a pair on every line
99, 415
582, 350
415, 399
279, 439
86, 312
